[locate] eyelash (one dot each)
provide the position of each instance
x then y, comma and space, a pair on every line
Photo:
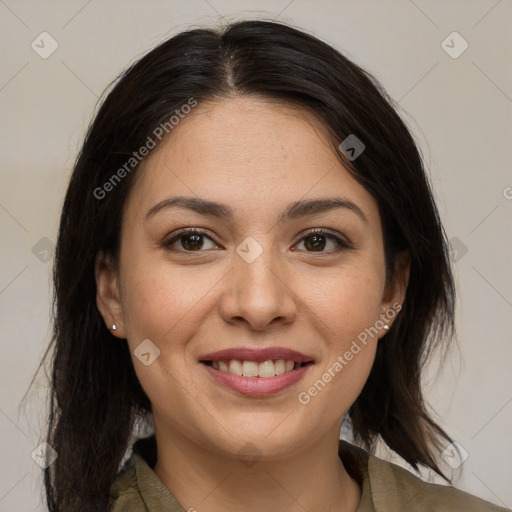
341, 244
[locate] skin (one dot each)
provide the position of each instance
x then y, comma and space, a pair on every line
253, 156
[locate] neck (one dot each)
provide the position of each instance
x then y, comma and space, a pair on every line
313, 478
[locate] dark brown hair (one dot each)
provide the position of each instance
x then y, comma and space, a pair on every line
95, 394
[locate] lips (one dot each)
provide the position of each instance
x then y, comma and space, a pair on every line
256, 372
257, 355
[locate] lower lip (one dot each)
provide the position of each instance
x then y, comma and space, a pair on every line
257, 386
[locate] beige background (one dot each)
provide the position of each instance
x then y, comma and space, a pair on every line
459, 108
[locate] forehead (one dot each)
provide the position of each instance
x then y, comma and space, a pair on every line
250, 153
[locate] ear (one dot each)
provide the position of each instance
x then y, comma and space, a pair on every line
395, 290
107, 294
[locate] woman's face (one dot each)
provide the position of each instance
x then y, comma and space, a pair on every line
255, 284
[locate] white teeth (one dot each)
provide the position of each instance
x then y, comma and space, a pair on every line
279, 366
264, 369
235, 367
250, 369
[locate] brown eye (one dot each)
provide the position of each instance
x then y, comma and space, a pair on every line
190, 241
316, 241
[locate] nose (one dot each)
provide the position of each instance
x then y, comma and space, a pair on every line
258, 293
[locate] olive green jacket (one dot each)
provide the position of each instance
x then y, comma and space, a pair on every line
386, 487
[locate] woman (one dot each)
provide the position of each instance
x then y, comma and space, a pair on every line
249, 251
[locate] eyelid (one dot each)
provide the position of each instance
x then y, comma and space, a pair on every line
187, 231
328, 232
341, 241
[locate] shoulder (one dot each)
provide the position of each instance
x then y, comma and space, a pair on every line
138, 489
124, 492
388, 487
394, 488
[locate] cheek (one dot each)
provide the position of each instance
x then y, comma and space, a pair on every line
347, 306
162, 305
347, 301
160, 301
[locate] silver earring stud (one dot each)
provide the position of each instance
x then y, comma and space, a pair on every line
114, 327
386, 327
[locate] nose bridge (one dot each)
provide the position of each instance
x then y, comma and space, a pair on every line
258, 291
257, 265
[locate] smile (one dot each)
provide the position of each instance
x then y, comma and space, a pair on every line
266, 369
256, 372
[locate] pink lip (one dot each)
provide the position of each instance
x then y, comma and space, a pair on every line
257, 386
258, 355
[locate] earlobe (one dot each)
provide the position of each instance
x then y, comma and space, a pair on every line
107, 294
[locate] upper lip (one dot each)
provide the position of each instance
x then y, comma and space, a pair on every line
257, 354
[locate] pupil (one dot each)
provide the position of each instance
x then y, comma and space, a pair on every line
197, 243
316, 244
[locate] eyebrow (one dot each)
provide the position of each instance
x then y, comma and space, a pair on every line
295, 210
